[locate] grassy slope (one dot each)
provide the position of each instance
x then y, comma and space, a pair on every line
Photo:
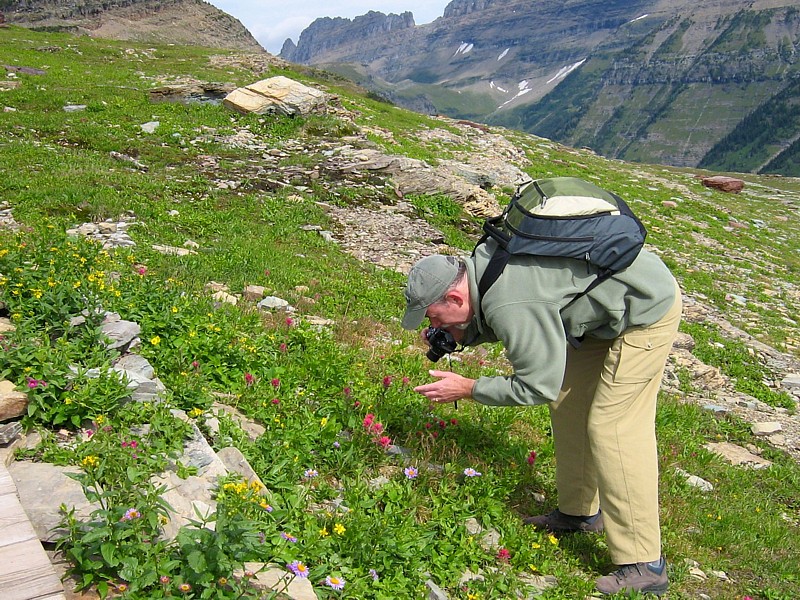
57, 172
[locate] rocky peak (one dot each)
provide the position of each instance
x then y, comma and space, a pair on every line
459, 8
326, 34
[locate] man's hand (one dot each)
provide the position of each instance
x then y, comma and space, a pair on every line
448, 388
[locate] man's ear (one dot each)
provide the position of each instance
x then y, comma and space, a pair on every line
455, 297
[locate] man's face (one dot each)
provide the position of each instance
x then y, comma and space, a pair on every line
449, 315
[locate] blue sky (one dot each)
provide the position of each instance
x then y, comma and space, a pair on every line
272, 21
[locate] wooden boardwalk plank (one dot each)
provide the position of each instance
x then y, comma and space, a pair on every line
26, 572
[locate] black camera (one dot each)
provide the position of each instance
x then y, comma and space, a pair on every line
441, 343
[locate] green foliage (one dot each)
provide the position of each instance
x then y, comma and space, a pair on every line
330, 399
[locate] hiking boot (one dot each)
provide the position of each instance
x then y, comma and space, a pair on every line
558, 522
646, 577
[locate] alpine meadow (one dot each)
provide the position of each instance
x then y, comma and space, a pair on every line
272, 445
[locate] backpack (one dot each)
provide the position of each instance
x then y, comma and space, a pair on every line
568, 217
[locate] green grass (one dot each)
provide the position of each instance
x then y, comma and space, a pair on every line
56, 171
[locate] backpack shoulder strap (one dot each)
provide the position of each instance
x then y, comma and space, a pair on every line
496, 265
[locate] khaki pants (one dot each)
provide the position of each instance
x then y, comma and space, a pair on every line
604, 434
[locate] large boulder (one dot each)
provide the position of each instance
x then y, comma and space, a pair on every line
276, 95
724, 184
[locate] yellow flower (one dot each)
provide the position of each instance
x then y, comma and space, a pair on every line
155, 340
535, 545
339, 529
553, 539
99, 419
533, 568
174, 309
76, 285
90, 461
323, 422
195, 412
67, 400
323, 532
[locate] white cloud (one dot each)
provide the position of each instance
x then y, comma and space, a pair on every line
272, 21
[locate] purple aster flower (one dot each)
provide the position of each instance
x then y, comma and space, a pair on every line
470, 472
287, 537
298, 568
336, 583
374, 574
411, 472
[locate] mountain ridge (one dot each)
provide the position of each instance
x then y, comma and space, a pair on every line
189, 22
648, 81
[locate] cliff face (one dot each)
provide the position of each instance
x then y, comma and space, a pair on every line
190, 22
663, 81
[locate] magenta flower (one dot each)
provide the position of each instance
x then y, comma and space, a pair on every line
195, 364
289, 321
347, 392
503, 555
532, 457
276, 401
249, 379
336, 583
406, 380
387, 381
283, 347
384, 441
276, 383
298, 568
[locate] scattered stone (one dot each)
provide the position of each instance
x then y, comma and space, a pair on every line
736, 455
42, 488
791, 382
277, 95
669, 204
74, 107
275, 303
121, 334
272, 578
766, 428
128, 159
225, 298
695, 481
235, 462
253, 293
13, 403
10, 432
150, 126
435, 592
723, 183
172, 250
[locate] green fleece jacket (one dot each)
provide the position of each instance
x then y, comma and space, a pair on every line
523, 310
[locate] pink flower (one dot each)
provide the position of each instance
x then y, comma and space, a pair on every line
387, 381
384, 441
283, 347
195, 364
276, 401
276, 383
368, 420
289, 321
453, 421
503, 555
347, 392
406, 380
249, 379
141, 271
376, 428
532, 457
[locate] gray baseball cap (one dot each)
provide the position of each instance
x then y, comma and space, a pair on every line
428, 281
